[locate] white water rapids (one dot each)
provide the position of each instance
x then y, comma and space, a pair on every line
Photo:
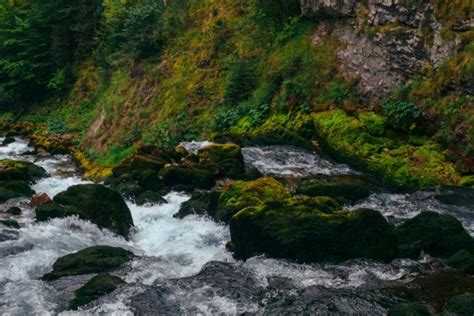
167, 248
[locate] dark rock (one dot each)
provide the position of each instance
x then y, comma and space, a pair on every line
341, 188
462, 260
149, 197
20, 171
8, 140
201, 203
409, 309
188, 175
459, 196
90, 260
14, 189
98, 286
40, 199
440, 235
462, 305
14, 211
97, 203
10, 223
298, 229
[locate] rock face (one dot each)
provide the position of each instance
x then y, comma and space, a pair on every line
385, 41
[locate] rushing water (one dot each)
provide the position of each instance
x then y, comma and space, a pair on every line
182, 265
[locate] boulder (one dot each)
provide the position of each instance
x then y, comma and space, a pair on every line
341, 188
462, 305
242, 194
188, 175
409, 309
94, 259
94, 202
14, 189
20, 171
8, 140
98, 286
439, 235
311, 230
10, 223
462, 260
40, 199
14, 211
227, 158
201, 203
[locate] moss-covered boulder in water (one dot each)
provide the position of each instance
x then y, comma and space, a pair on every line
101, 284
342, 188
10, 223
90, 260
14, 210
14, 189
242, 194
462, 305
462, 260
439, 235
96, 203
20, 170
409, 309
200, 203
227, 158
298, 229
192, 176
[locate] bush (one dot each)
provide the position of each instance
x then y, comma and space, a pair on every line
401, 114
240, 82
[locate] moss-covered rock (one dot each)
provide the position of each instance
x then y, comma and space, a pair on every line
462, 305
90, 260
149, 197
409, 309
394, 160
440, 235
242, 194
14, 210
194, 176
227, 158
20, 171
96, 203
462, 260
14, 189
101, 284
341, 188
200, 203
303, 230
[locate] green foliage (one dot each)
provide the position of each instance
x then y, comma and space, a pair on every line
279, 10
100, 285
401, 114
240, 82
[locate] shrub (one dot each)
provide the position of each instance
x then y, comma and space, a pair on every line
401, 114
240, 82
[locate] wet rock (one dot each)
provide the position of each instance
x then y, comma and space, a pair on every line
15, 211
20, 171
67, 286
201, 203
98, 286
440, 235
94, 259
462, 305
462, 260
10, 223
342, 188
40, 199
409, 309
311, 231
188, 175
459, 196
8, 140
149, 197
97, 203
227, 158
435, 289
14, 189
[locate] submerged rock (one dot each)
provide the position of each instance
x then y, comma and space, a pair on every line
96, 203
96, 287
90, 260
439, 235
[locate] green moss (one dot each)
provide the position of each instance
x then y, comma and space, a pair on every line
241, 194
395, 161
98, 286
20, 170
462, 305
89, 260
297, 229
437, 234
409, 309
462, 260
